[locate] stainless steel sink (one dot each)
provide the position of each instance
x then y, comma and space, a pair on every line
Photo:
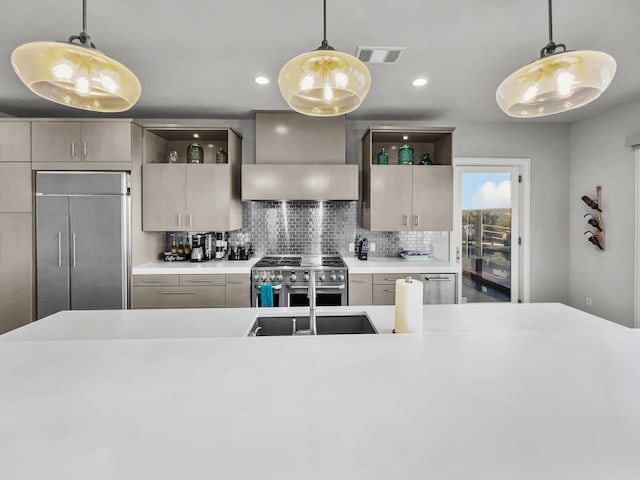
326, 324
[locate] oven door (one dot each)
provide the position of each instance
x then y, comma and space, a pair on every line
278, 296
326, 295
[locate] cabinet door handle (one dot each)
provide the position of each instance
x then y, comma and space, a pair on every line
405, 220
157, 282
391, 279
177, 293
359, 281
59, 249
416, 220
84, 149
438, 279
236, 283
198, 281
75, 264
391, 291
73, 149
179, 219
190, 219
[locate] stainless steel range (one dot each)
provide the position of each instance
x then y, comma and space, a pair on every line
289, 277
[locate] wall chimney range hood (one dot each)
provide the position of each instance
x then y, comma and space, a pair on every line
299, 158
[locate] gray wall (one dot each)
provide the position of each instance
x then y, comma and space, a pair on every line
548, 148
599, 156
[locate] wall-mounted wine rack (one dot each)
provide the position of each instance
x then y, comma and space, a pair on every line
594, 219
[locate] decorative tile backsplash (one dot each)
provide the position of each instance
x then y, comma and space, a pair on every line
318, 228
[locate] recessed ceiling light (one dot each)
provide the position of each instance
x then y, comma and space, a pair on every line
419, 82
405, 137
196, 135
211, 145
261, 80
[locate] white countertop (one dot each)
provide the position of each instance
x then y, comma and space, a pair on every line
400, 265
160, 267
523, 392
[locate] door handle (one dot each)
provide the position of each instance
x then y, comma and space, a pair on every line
359, 281
274, 287
73, 242
73, 149
189, 219
179, 219
331, 287
177, 293
405, 220
84, 149
198, 281
416, 220
59, 249
236, 283
390, 291
438, 279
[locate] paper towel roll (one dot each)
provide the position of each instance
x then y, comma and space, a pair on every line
408, 306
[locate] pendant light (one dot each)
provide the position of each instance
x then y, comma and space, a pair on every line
75, 74
324, 82
558, 81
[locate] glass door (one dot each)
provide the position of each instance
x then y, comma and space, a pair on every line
487, 232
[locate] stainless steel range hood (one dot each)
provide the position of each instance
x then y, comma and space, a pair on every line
299, 158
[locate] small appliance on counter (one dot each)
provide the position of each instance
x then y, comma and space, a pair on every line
240, 252
363, 250
197, 248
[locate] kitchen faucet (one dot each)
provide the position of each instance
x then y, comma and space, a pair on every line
311, 295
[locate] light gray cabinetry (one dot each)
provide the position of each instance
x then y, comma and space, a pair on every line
15, 187
238, 292
178, 291
360, 292
188, 197
163, 197
384, 288
15, 141
407, 197
69, 145
16, 302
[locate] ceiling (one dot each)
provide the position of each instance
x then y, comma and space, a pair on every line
198, 58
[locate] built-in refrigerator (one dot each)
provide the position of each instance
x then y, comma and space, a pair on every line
82, 241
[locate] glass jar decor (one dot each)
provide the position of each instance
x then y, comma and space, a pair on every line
383, 157
172, 157
405, 155
195, 153
221, 156
426, 160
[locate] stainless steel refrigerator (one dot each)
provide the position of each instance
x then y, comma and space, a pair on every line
82, 241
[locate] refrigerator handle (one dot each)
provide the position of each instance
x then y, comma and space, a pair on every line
59, 249
75, 264
73, 149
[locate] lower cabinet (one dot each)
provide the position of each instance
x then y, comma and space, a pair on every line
384, 288
360, 289
238, 291
16, 302
190, 291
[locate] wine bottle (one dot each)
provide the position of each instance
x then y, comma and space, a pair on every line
593, 221
591, 203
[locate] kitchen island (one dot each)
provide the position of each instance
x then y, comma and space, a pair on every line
487, 392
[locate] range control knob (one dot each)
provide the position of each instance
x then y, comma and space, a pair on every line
256, 277
333, 276
279, 277
341, 277
306, 277
293, 277
273, 276
321, 276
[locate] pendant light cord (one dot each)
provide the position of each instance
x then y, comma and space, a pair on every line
324, 45
83, 37
551, 47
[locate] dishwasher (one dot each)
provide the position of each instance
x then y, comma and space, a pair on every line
439, 288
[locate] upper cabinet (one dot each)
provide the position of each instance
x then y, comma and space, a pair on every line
15, 141
71, 145
412, 190
192, 197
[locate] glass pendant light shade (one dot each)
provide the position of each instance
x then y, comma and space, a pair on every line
560, 80
324, 83
76, 76
556, 83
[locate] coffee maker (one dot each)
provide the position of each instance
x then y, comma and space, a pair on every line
197, 248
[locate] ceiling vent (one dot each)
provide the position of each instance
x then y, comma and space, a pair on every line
379, 54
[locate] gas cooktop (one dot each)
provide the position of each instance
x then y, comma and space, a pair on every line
300, 261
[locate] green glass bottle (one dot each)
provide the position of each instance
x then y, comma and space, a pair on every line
383, 157
195, 153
